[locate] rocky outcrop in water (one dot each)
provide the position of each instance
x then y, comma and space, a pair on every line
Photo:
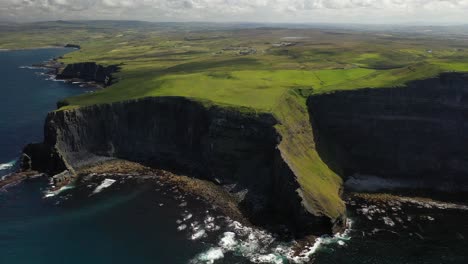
89, 72
417, 133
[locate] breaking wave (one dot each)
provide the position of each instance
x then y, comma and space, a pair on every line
8, 165
260, 246
49, 194
105, 184
30, 67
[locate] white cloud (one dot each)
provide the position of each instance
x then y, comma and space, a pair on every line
381, 11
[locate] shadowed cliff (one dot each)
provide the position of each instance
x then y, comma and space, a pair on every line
231, 147
89, 71
417, 133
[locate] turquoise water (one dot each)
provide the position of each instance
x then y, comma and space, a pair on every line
145, 222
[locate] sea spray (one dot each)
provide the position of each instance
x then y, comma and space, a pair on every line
8, 165
208, 257
260, 246
51, 193
105, 184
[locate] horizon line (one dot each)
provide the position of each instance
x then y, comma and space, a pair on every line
403, 24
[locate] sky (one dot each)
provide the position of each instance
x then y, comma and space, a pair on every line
429, 12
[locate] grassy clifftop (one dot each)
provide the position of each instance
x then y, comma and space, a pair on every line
250, 67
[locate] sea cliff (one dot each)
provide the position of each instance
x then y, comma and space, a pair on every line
287, 166
233, 148
417, 133
89, 72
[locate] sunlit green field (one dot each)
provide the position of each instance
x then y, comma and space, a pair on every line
177, 60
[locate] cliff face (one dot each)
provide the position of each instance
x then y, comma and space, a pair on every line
88, 71
417, 133
284, 168
235, 149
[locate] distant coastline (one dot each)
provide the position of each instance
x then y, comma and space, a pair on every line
43, 47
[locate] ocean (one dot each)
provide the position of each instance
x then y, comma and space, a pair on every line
124, 220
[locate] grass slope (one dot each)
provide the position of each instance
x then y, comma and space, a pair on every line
320, 186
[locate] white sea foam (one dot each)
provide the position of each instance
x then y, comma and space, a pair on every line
8, 165
270, 258
49, 194
228, 241
198, 234
209, 219
286, 252
259, 246
30, 67
105, 184
388, 221
182, 227
209, 256
210, 224
195, 226
187, 217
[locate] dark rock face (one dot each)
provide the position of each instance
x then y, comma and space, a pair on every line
75, 46
88, 71
226, 146
41, 157
418, 132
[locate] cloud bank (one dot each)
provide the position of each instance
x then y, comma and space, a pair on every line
352, 11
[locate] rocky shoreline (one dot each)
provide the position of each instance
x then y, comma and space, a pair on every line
13, 179
208, 191
53, 66
89, 74
96, 76
215, 195
36, 48
115, 168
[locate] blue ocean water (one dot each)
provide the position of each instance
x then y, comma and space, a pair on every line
146, 222
75, 228
25, 98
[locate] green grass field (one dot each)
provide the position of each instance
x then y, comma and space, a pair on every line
251, 69
205, 61
206, 64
